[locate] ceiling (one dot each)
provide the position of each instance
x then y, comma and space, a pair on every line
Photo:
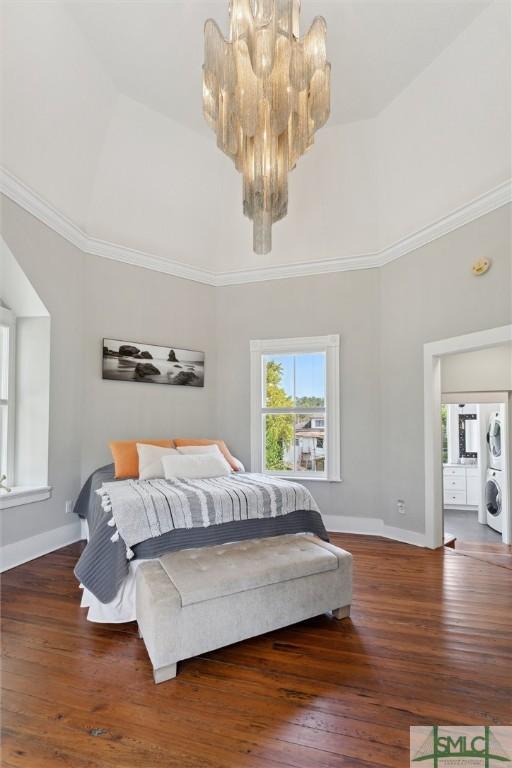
103, 122
153, 51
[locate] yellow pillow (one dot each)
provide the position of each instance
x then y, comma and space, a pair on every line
222, 447
126, 458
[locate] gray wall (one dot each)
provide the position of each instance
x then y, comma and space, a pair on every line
383, 316
431, 294
125, 302
89, 297
346, 303
55, 268
484, 370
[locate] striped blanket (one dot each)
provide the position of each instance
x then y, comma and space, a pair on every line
144, 509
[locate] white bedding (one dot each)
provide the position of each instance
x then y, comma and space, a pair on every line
121, 608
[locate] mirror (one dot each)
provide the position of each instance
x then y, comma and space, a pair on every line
468, 436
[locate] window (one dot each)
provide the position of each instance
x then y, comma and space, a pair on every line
7, 334
444, 433
24, 386
295, 429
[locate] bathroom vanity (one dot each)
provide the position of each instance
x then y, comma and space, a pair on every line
462, 485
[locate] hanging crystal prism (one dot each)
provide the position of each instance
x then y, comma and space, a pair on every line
265, 93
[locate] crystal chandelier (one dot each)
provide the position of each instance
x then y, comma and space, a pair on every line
265, 93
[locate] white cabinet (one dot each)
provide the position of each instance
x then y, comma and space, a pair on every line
455, 498
473, 486
454, 471
461, 485
455, 483
473, 491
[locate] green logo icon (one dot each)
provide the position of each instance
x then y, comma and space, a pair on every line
445, 744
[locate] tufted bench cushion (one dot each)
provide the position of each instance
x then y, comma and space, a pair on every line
193, 601
204, 574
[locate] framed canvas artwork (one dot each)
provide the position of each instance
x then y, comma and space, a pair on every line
151, 364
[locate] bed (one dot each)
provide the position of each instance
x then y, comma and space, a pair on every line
107, 576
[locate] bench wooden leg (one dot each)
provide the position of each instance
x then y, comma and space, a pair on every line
164, 673
341, 613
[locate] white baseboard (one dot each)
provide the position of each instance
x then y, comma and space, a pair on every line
22, 551
408, 537
344, 524
372, 526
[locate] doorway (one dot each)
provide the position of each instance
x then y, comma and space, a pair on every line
433, 354
473, 453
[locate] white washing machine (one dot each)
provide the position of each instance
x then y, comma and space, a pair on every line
494, 440
494, 499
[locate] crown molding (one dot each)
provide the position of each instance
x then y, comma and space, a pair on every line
489, 201
479, 206
32, 202
300, 269
148, 261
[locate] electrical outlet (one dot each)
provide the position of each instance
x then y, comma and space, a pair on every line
69, 506
400, 505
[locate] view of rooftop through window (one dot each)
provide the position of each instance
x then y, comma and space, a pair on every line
294, 385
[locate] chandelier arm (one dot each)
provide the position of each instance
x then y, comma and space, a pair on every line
266, 92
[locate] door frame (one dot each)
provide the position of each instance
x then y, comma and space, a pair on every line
433, 352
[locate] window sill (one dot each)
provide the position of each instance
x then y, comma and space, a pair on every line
24, 495
305, 478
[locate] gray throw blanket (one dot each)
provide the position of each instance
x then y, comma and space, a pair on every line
144, 509
103, 566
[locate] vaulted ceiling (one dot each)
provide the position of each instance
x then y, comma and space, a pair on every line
102, 121
153, 51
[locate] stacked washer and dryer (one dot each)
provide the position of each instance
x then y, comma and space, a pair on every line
495, 495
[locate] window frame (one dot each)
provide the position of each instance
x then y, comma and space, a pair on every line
8, 320
330, 346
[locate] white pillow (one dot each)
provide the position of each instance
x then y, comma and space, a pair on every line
195, 449
150, 460
200, 465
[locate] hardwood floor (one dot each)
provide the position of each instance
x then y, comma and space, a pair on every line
498, 554
429, 642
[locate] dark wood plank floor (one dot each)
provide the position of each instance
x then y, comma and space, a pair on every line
499, 554
429, 642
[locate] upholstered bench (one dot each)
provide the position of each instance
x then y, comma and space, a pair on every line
195, 600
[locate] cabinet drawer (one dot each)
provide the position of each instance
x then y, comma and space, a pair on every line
454, 483
455, 471
454, 497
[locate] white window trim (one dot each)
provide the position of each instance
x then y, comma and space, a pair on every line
24, 495
331, 346
18, 495
8, 318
